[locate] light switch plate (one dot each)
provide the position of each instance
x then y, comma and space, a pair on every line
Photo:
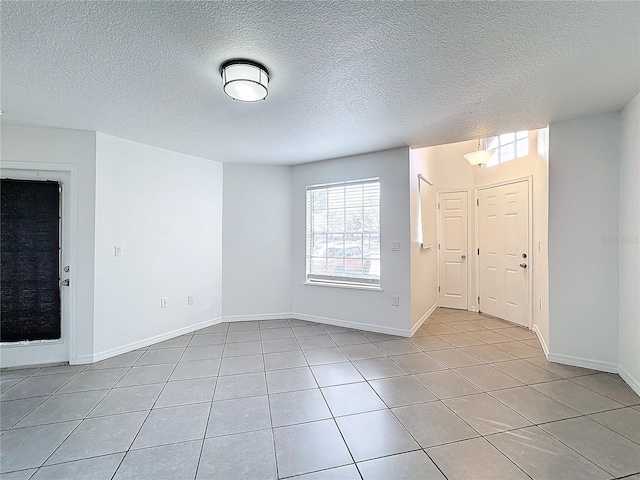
117, 250
395, 246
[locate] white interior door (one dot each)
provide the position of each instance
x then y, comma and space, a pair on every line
453, 236
503, 240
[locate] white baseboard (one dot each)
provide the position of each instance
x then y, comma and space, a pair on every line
423, 319
96, 357
261, 316
633, 382
545, 348
583, 362
356, 325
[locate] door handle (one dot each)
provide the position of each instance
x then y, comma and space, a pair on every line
463, 257
523, 265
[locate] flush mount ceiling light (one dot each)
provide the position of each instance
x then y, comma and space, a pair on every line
245, 80
479, 157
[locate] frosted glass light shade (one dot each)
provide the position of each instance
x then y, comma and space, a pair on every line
245, 81
479, 157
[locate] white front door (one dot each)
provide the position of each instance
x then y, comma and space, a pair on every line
503, 240
452, 208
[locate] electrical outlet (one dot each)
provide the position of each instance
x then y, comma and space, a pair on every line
395, 246
189, 299
395, 300
164, 302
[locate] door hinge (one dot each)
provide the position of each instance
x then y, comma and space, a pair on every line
477, 202
438, 205
438, 287
478, 251
478, 300
438, 246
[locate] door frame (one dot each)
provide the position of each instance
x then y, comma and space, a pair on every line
471, 305
529, 180
39, 171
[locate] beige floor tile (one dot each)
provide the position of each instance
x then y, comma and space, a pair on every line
454, 358
489, 353
487, 378
433, 424
533, 405
439, 328
576, 397
541, 456
475, 458
526, 372
430, 343
491, 323
418, 363
625, 421
470, 315
485, 414
436, 390
517, 333
460, 339
465, 326
375, 434
519, 349
609, 385
564, 371
401, 391
610, 451
535, 343
490, 336
446, 384
406, 466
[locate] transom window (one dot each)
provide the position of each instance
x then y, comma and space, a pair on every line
343, 233
507, 146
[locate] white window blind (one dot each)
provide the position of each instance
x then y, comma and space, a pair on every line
343, 233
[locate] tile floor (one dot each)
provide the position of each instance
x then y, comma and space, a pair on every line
467, 397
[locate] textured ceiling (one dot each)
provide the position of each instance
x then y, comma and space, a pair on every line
347, 77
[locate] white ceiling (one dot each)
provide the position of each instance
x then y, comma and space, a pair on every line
347, 77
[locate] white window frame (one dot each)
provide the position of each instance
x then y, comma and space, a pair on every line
497, 157
364, 281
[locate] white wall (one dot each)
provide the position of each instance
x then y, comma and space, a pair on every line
629, 249
371, 310
256, 241
424, 262
165, 210
58, 146
583, 254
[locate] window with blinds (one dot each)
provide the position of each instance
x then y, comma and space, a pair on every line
343, 233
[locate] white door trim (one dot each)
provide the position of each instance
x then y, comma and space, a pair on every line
69, 197
529, 180
471, 303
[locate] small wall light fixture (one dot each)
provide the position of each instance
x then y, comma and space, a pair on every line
479, 157
245, 80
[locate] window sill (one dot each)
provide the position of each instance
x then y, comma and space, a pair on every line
374, 288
